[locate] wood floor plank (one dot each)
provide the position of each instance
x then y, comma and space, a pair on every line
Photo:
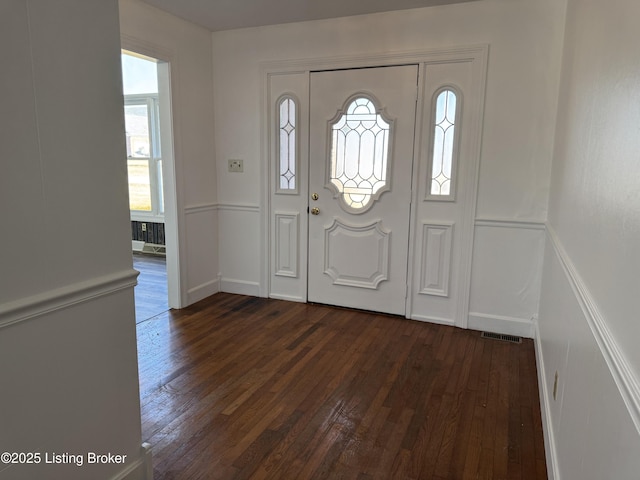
151, 291
250, 388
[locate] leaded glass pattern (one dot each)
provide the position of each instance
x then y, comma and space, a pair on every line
359, 153
443, 143
287, 143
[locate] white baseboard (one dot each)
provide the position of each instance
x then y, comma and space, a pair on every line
203, 291
501, 324
550, 450
141, 469
240, 287
288, 298
426, 318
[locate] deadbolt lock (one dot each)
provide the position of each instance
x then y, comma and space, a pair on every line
315, 211
314, 196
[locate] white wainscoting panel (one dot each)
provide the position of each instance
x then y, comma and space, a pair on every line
287, 244
202, 263
436, 258
592, 424
240, 237
506, 276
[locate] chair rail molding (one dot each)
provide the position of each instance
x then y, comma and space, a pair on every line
65, 297
621, 371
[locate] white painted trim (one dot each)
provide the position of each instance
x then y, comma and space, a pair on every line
140, 217
140, 469
374, 229
175, 241
65, 297
553, 472
239, 207
510, 223
241, 287
438, 320
621, 371
205, 207
288, 268
440, 55
443, 267
289, 298
501, 324
202, 291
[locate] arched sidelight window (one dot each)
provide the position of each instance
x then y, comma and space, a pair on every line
444, 146
359, 162
287, 145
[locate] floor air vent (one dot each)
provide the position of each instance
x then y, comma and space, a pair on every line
501, 336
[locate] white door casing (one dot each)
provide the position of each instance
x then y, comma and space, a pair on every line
440, 241
358, 242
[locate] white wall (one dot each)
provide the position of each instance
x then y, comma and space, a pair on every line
588, 326
69, 381
187, 48
525, 45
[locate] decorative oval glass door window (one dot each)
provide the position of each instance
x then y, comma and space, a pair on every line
359, 154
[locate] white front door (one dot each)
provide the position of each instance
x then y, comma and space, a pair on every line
361, 141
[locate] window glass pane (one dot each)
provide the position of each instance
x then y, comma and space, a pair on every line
142, 124
139, 185
359, 149
443, 141
287, 144
136, 121
140, 76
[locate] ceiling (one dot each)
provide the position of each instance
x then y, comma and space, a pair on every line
216, 15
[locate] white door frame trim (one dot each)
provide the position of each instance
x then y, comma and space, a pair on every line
477, 55
174, 215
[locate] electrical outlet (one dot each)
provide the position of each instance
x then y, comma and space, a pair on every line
144, 227
555, 386
236, 165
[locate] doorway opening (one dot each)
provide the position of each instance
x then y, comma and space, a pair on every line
149, 145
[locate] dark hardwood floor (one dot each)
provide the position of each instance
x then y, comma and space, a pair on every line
239, 387
151, 291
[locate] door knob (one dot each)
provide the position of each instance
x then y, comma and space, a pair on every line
315, 211
314, 196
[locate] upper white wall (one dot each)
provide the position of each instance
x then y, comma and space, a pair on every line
524, 40
54, 212
595, 200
